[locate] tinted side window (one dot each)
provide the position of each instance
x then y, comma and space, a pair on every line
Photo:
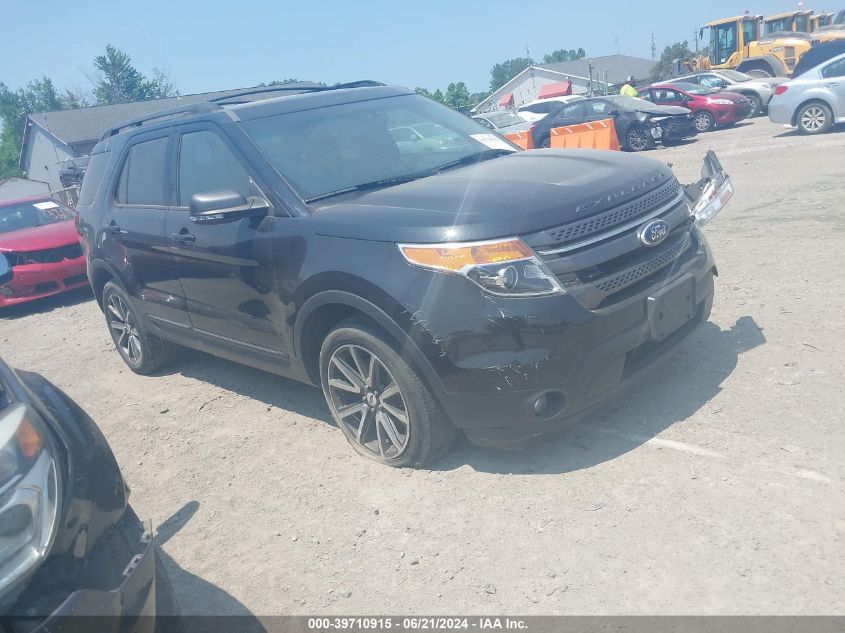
142, 181
207, 164
836, 69
570, 111
93, 177
599, 107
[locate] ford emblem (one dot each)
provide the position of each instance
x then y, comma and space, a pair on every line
654, 232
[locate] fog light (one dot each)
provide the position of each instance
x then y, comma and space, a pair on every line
540, 404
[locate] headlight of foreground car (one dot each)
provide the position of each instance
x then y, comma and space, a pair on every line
502, 267
713, 191
29, 493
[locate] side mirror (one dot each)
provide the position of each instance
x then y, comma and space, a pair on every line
614, 112
220, 207
5, 270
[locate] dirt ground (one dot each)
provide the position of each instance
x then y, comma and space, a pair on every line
716, 488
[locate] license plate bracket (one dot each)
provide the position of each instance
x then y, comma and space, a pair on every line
671, 307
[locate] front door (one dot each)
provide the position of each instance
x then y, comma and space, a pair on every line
134, 238
226, 270
833, 83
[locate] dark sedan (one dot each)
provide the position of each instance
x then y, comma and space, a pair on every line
639, 124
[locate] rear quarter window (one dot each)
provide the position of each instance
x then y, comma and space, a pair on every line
93, 177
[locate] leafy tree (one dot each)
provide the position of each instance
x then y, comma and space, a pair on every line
437, 95
457, 96
120, 82
663, 68
38, 95
563, 55
503, 72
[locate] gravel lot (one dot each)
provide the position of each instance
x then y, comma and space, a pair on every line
717, 488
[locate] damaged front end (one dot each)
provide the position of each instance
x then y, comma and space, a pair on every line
712, 191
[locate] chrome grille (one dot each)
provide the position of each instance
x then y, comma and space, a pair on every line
48, 256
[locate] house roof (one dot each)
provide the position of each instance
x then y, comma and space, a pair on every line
85, 125
618, 68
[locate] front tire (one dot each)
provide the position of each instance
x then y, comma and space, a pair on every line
756, 105
546, 142
142, 351
379, 401
814, 118
638, 139
704, 122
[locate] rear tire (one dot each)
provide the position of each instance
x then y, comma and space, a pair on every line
378, 400
814, 118
142, 351
704, 122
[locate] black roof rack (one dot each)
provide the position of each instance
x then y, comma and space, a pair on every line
194, 108
364, 83
215, 104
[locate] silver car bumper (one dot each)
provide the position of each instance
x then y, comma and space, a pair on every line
780, 112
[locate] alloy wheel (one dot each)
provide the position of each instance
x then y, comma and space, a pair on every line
367, 402
638, 139
813, 118
124, 329
702, 122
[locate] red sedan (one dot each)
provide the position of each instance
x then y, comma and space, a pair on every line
711, 108
38, 236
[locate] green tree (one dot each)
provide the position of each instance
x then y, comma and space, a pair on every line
563, 55
457, 96
503, 72
279, 82
38, 95
118, 81
663, 68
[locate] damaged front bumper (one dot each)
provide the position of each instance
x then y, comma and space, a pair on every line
515, 369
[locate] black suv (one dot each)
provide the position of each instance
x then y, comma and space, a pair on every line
438, 283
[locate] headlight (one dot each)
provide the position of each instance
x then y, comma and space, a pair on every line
29, 493
502, 267
720, 101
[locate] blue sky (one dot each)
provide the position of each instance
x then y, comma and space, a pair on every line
220, 44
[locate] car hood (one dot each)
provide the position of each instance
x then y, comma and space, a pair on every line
762, 82
39, 238
516, 194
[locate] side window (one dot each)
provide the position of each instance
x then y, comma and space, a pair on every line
142, 181
207, 164
598, 107
571, 111
836, 69
708, 81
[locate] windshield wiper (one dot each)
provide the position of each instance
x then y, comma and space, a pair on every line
473, 158
367, 186
398, 180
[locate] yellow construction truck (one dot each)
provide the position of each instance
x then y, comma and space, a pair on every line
738, 43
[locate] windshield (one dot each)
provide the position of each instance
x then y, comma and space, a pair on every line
339, 147
735, 75
695, 89
26, 215
504, 118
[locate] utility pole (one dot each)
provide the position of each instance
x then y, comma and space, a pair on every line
616, 39
653, 48
695, 39
590, 67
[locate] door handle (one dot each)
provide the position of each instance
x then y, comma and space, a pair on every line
183, 237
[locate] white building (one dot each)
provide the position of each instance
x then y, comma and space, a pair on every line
595, 75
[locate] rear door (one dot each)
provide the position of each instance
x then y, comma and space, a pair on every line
833, 82
133, 235
226, 270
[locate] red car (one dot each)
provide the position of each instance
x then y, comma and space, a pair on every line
711, 108
38, 236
